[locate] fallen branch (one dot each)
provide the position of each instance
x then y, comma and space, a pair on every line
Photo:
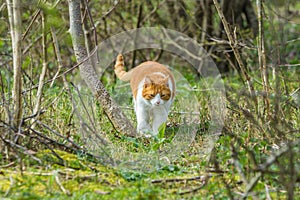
201, 178
67, 192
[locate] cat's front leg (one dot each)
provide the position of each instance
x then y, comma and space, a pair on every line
160, 115
142, 116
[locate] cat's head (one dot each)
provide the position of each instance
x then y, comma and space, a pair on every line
157, 92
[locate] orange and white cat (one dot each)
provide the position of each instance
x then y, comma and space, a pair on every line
153, 90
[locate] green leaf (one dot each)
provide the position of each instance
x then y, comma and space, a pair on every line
161, 130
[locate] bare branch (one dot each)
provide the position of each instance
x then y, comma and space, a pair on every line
232, 43
44, 68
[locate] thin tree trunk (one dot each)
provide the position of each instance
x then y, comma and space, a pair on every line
112, 110
14, 15
44, 69
262, 57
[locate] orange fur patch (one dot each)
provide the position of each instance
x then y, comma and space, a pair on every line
154, 71
158, 73
151, 90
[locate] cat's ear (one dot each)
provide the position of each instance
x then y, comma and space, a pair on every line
147, 81
165, 81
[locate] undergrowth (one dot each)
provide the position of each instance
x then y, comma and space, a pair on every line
240, 155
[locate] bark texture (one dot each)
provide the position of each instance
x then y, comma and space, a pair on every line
262, 55
14, 14
114, 113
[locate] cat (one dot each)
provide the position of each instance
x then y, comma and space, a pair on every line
153, 89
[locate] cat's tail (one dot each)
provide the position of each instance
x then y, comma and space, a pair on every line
120, 69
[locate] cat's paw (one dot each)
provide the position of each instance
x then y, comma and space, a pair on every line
147, 135
143, 127
145, 132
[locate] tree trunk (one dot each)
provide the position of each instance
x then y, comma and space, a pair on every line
112, 110
262, 57
14, 15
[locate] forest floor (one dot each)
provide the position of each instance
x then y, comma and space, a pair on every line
233, 170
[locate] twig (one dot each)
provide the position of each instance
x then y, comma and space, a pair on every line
23, 149
8, 165
194, 189
43, 74
34, 115
84, 105
28, 47
171, 180
278, 154
36, 14
153, 11
271, 160
76, 149
290, 65
135, 39
158, 56
232, 43
64, 73
58, 134
267, 192
110, 10
67, 192
204, 181
58, 56
12, 182
185, 50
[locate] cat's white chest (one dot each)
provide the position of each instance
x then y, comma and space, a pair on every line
152, 113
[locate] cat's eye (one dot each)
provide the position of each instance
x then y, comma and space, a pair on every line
163, 95
152, 95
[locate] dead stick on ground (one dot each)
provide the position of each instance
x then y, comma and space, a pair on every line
12, 182
201, 178
60, 185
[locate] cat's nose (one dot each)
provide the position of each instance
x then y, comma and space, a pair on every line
157, 103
